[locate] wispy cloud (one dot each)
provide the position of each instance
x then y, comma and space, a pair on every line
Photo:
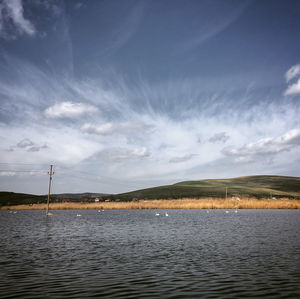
293, 89
12, 20
293, 73
128, 26
69, 110
212, 23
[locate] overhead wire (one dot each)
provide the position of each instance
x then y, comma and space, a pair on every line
60, 170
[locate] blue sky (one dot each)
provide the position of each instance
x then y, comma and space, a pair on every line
122, 95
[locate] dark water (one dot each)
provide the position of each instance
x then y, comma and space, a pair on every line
135, 254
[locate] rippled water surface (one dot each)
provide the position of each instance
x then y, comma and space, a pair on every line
136, 254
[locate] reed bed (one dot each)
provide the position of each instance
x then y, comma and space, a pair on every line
185, 203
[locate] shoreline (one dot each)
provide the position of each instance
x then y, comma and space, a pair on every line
248, 203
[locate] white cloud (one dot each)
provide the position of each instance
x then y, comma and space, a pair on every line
265, 147
69, 110
293, 72
293, 89
12, 11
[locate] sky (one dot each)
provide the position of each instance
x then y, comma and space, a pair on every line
121, 95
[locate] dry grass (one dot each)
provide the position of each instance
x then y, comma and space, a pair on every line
186, 203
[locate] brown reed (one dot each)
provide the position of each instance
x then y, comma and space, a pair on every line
185, 203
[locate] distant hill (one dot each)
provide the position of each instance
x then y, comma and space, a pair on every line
11, 198
258, 186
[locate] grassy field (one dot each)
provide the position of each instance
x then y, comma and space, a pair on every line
251, 186
208, 203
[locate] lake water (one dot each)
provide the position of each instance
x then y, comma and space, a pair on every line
136, 254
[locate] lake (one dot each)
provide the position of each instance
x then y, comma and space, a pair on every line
136, 254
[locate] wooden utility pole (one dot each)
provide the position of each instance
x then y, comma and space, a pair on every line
50, 179
226, 193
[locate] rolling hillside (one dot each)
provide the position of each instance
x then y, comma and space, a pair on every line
262, 186
11, 198
258, 186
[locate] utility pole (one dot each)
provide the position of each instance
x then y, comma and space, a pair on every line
50, 179
226, 193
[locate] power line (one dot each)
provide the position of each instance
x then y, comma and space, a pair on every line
11, 163
12, 170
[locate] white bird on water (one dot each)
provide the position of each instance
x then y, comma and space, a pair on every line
227, 212
167, 214
78, 215
157, 214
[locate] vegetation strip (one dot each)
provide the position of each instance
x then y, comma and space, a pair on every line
221, 203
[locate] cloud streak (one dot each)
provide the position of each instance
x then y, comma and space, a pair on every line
293, 73
12, 20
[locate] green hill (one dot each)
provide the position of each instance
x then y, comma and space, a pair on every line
258, 186
11, 198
